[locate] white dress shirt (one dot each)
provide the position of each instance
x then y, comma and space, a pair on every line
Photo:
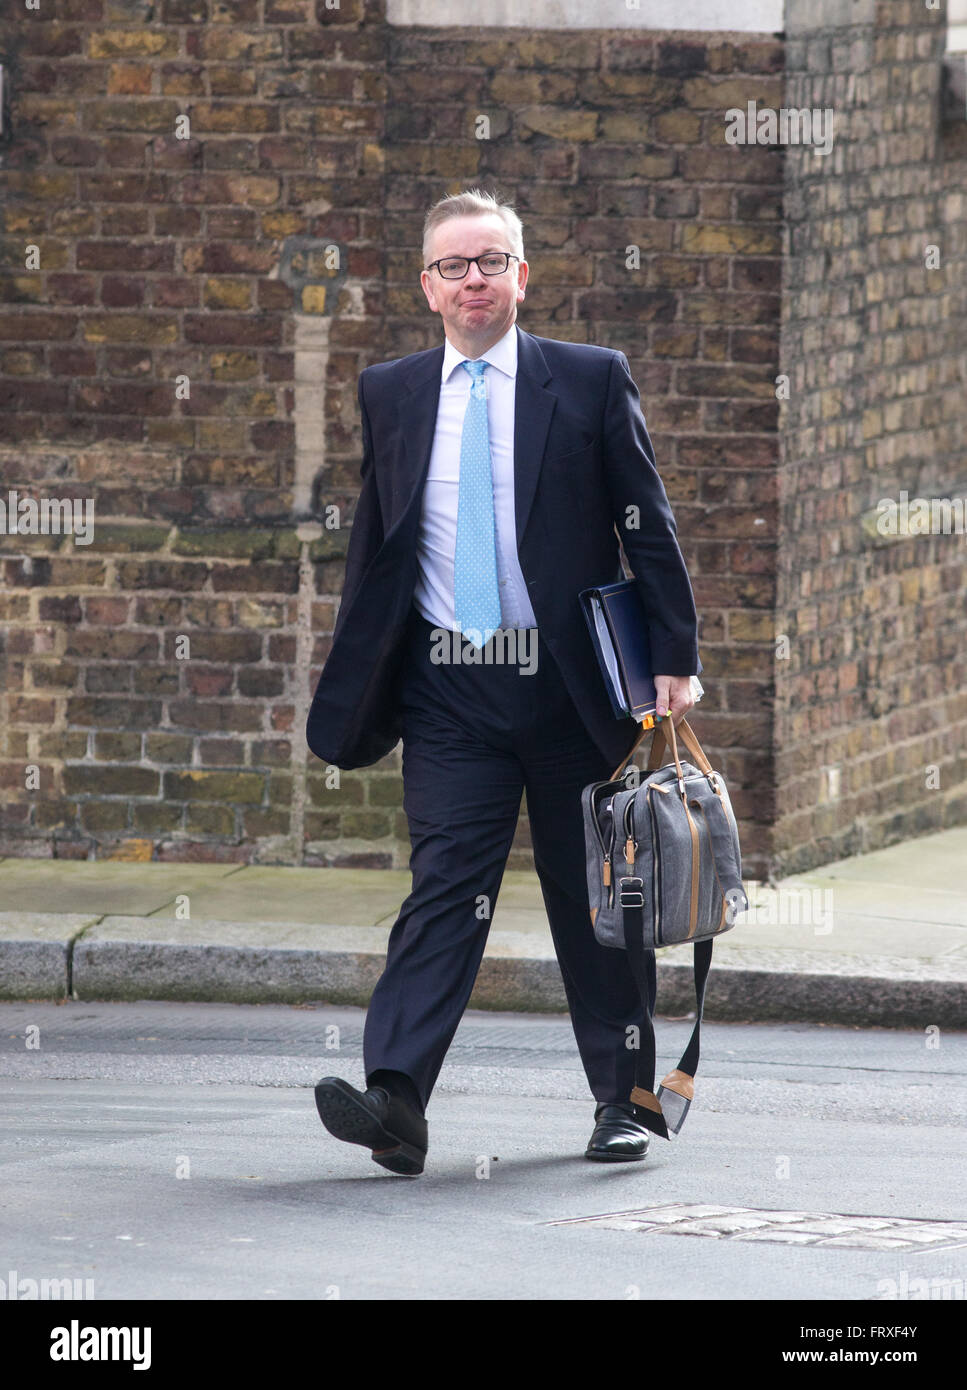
437, 542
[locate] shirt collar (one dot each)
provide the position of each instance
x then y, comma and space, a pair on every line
503, 355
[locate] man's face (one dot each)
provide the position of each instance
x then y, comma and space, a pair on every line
480, 308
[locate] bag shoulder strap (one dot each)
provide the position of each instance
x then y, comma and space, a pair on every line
667, 1109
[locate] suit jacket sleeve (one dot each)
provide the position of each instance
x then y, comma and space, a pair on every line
652, 546
366, 534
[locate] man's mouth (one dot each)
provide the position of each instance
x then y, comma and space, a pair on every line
476, 303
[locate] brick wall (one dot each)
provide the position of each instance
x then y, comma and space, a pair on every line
153, 359
163, 258
871, 710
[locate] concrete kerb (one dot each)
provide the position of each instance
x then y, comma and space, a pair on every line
51, 956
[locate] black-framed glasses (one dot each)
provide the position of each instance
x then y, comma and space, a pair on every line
490, 263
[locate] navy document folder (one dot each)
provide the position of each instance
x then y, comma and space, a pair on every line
619, 633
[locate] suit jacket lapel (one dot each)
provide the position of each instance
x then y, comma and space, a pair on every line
533, 408
417, 408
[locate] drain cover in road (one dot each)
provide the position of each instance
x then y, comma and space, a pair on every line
783, 1227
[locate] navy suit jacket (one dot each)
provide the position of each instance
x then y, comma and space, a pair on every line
582, 455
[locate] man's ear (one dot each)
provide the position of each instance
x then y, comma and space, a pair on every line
426, 282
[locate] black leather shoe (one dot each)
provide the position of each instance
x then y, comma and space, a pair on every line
617, 1137
395, 1132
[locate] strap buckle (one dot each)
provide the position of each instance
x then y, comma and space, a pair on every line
632, 896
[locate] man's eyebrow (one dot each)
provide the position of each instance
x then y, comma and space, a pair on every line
455, 256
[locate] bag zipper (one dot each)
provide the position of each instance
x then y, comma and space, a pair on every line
609, 855
655, 875
607, 851
631, 844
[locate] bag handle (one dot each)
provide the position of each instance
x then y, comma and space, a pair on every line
659, 747
688, 737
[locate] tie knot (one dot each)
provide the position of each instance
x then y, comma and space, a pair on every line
476, 369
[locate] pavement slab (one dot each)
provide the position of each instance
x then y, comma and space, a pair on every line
76, 885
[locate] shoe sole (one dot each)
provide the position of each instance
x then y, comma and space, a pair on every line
616, 1158
347, 1119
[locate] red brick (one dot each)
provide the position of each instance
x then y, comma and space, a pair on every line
274, 294
130, 399
122, 188
287, 11
120, 361
213, 117
119, 292
234, 11
273, 435
228, 258
50, 39
125, 151
175, 292
130, 328
24, 710
168, 152
231, 80
177, 221
30, 327
208, 681
232, 224
182, 79
75, 150
231, 329
283, 152
229, 154
129, 79
185, 11
264, 577
205, 400
24, 362
210, 717
147, 114
118, 428
107, 611
120, 256
71, 289
40, 396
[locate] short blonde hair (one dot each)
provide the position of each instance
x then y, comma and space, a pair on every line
473, 203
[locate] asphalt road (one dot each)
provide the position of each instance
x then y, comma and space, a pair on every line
173, 1152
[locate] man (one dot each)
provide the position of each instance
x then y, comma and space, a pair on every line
494, 470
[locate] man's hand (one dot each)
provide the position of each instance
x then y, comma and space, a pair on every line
675, 693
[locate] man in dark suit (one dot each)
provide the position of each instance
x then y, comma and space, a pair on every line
495, 470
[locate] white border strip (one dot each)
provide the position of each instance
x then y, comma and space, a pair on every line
735, 16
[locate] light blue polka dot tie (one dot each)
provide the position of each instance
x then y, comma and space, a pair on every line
476, 596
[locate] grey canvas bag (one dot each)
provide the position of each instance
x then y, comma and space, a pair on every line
663, 869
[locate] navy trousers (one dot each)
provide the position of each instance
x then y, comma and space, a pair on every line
474, 738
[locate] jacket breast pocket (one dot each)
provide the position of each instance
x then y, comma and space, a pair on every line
565, 455
576, 472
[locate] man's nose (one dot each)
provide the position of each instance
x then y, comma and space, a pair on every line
475, 276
